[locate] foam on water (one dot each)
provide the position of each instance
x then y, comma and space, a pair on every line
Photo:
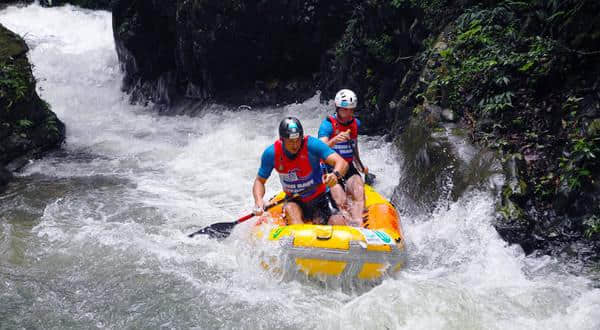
110, 248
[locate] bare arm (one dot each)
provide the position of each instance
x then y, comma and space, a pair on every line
339, 165
341, 137
258, 191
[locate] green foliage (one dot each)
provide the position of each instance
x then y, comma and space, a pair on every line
545, 186
511, 211
487, 54
428, 5
349, 39
24, 123
14, 83
52, 125
581, 156
496, 103
594, 128
575, 167
592, 226
553, 13
380, 48
510, 69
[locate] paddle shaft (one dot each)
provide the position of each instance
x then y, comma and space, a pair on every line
223, 229
369, 178
270, 206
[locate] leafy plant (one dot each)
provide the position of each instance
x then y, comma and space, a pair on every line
14, 83
592, 226
380, 48
24, 123
574, 167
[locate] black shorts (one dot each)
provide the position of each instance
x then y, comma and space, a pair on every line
351, 171
320, 209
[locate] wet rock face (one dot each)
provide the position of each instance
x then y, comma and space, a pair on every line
223, 49
8, 2
439, 166
373, 57
5, 177
91, 4
27, 126
421, 191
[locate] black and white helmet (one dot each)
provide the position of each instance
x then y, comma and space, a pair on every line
345, 98
290, 128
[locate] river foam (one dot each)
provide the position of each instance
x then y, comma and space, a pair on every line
95, 235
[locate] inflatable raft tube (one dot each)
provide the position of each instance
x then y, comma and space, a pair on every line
365, 253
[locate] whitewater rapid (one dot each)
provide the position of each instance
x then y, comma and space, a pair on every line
94, 236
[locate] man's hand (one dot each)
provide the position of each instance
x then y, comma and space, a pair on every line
330, 179
343, 136
365, 170
259, 208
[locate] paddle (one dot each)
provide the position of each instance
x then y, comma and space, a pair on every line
369, 177
221, 230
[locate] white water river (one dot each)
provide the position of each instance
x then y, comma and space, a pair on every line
94, 236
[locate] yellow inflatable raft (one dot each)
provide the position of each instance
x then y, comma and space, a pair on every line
364, 253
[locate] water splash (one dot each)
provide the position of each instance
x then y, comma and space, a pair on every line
95, 236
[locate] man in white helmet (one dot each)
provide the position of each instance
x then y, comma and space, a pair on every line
340, 132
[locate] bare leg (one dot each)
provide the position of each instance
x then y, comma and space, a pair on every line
356, 190
337, 220
339, 196
293, 213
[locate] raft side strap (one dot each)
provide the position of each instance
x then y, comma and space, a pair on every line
350, 255
353, 268
355, 257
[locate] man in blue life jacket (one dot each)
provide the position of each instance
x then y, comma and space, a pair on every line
297, 160
340, 132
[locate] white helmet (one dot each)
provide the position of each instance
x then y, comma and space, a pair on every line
345, 98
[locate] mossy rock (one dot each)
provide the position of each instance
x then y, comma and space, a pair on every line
27, 126
11, 45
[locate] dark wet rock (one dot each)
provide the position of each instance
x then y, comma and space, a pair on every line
240, 52
372, 58
5, 177
550, 192
433, 113
448, 115
27, 126
514, 171
420, 190
91, 4
12, 2
564, 197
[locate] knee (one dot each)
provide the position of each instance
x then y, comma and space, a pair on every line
293, 213
337, 220
287, 210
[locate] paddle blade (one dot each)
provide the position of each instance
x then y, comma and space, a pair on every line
222, 229
219, 230
370, 178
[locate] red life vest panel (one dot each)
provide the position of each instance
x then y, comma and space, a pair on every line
297, 174
344, 148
